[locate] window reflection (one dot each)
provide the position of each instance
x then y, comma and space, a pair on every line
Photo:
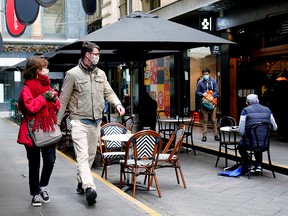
54, 19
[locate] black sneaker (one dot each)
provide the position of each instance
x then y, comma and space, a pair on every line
258, 170
80, 189
36, 200
45, 197
216, 138
91, 196
252, 170
204, 139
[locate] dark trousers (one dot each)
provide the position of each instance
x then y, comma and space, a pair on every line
48, 156
242, 148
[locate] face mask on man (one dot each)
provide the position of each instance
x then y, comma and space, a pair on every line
205, 77
95, 60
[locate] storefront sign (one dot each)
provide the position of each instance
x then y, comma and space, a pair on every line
206, 23
14, 27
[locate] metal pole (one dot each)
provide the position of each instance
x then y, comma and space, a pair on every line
131, 85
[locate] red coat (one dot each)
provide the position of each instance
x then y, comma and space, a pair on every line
29, 106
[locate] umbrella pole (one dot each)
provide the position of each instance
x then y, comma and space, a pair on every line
131, 85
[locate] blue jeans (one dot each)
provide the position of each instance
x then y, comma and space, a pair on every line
48, 156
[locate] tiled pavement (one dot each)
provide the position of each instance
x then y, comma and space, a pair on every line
206, 192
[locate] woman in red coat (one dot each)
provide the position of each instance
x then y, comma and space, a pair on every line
38, 102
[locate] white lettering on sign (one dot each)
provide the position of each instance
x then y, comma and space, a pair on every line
15, 22
206, 24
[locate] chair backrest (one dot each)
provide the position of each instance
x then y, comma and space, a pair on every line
113, 128
227, 121
177, 139
163, 113
145, 145
258, 136
129, 122
190, 124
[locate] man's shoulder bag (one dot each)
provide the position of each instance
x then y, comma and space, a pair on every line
207, 104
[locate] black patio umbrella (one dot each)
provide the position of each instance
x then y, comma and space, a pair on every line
133, 37
141, 33
63, 60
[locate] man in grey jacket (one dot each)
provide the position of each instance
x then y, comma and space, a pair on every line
84, 91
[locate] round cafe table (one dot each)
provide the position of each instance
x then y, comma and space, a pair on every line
174, 120
228, 140
117, 137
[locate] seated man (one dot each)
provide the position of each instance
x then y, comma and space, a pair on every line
254, 112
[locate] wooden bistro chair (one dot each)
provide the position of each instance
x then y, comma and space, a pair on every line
145, 147
112, 151
259, 141
227, 139
171, 160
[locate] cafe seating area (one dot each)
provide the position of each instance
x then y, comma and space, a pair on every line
124, 156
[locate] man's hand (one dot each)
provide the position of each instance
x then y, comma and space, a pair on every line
204, 94
121, 110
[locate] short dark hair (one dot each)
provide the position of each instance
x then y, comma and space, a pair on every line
32, 65
88, 47
206, 70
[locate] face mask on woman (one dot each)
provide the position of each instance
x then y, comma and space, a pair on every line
45, 71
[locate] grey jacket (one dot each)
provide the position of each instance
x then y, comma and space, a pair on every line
83, 93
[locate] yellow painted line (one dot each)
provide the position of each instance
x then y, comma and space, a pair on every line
216, 150
149, 210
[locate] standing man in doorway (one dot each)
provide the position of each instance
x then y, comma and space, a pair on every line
207, 89
84, 91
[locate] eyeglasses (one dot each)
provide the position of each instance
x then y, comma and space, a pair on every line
96, 54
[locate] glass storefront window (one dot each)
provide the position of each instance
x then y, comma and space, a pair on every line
148, 5
54, 19
200, 58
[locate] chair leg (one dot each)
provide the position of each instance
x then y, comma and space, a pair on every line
157, 184
192, 144
121, 173
218, 157
270, 163
134, 185
235, 148
187, 144
250, 162
226, 154
104, 171
181, 173
176, 172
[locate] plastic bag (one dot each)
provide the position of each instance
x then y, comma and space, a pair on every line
232, 173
